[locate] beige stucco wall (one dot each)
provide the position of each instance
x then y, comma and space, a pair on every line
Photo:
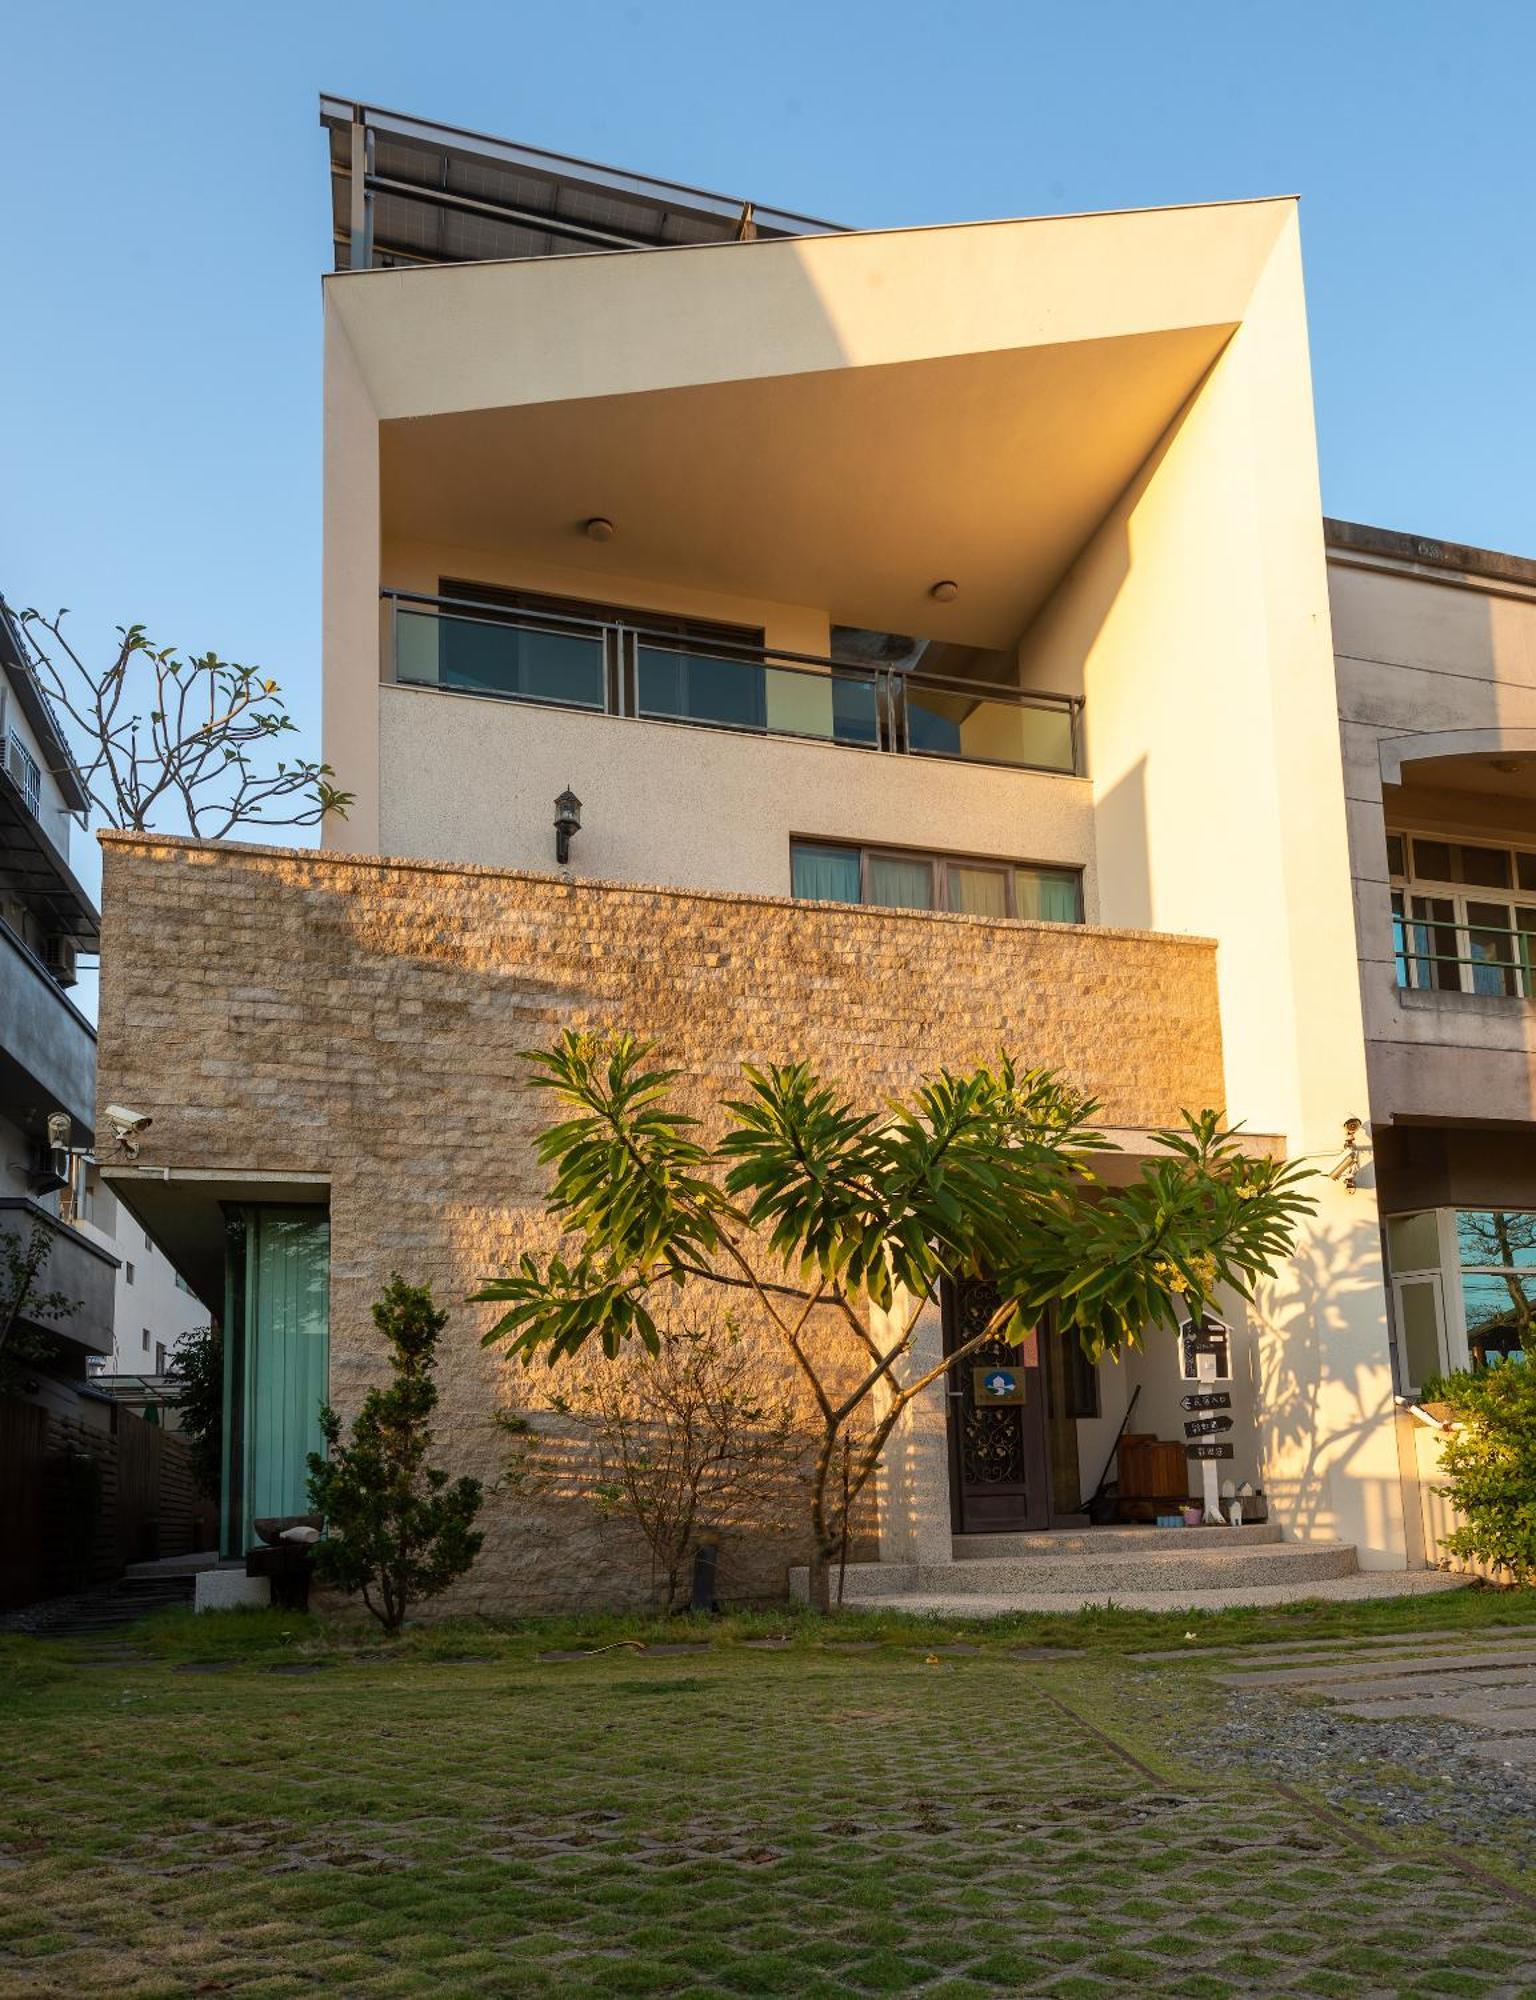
1199, 615
1434, 663
361, 1021
700, 808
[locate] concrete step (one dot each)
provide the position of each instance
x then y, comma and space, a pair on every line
1106, 1541
1192, 1565
1363, 1584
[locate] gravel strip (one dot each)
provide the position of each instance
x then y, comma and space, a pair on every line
1404, 1773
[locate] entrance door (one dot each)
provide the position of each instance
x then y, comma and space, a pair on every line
999, 1469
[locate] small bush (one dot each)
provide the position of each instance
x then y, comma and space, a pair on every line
1489, 1462
397, 1530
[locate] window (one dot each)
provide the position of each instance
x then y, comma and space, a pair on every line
1496, 1252
24, 770
1448, 934
1463, 1289
147, 1338
159, 1357
895, 879
128, 1270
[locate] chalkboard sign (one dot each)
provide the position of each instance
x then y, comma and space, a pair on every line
1207, 1451
1205, 1351
1207, 1427
1207, 1399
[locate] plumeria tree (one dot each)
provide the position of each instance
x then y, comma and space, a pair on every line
164, 737
823, 1216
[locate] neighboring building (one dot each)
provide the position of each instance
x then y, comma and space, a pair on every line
1436, 651
131, 1310
47, 1047
972, 576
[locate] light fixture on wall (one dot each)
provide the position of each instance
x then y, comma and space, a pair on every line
567, 824
598, 528
945, 591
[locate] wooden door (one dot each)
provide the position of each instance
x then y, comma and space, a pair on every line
999, 1470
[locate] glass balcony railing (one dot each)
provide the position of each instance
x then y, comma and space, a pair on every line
618, 669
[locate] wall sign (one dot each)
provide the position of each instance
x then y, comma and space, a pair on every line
1207, 1427
1205, 1351
997, 1385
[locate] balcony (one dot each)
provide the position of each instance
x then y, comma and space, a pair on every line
1443, 948
74, 1265
610, 667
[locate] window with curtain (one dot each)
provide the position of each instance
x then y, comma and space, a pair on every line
276, 1362
824, 874
823, 871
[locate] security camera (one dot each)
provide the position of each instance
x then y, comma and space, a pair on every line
126, 1126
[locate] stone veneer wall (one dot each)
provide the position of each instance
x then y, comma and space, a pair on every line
286, 1010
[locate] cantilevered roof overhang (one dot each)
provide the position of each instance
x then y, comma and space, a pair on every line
834, 420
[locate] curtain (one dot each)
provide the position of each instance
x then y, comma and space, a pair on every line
900, 885
978, 892
824, 874
277, 1365
1050, 895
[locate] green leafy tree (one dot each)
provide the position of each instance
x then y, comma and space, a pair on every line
397, 1529
1489, 1462
817, 1210
197, 1378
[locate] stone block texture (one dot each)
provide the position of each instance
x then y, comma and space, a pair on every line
281, 1010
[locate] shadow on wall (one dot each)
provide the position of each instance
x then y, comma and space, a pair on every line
1315, 1426
1120, 831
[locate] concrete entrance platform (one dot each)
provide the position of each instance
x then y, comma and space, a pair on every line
1142, 1569
1191, 1596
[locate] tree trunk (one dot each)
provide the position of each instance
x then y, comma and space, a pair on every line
823, 1561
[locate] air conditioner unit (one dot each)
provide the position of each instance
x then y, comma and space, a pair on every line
59, 957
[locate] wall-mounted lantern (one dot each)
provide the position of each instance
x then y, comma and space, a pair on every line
567, 823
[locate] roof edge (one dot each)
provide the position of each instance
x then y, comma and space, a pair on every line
1355, 538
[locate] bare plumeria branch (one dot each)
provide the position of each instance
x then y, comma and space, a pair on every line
156, 733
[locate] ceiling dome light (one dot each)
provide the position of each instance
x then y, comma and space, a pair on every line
598, 529
945, 591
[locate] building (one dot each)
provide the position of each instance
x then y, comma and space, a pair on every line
935, 627
1436, 650
131, 1311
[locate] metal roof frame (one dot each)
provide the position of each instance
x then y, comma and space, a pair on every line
394, 198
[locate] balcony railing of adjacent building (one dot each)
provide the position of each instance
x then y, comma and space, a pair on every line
608, 667
1451, 952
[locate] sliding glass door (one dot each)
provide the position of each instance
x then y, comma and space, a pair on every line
276, 1362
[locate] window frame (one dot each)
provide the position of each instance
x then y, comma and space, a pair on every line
939, 861
1434, 970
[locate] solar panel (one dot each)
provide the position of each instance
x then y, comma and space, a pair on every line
433, 194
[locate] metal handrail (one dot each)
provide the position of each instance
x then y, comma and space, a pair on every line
711, 649
1408, 953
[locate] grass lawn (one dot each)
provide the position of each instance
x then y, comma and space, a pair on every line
258, 1805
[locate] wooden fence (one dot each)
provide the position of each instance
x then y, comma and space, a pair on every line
80, 1499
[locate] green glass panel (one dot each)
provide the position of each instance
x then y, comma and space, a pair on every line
277, 1363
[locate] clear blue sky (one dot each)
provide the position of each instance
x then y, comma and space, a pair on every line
166, 225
